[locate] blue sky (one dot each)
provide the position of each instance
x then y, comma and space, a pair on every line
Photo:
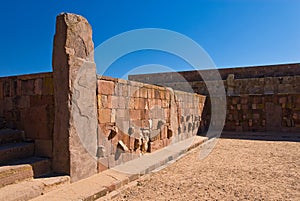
234, 33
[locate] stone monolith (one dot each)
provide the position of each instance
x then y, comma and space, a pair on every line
74, 72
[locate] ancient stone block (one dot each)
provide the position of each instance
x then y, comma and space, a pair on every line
27, 87
74, 78
143, 93
48, 88
134, 92
135, 114
122, 114
104, 115
118, 102
139, 103
106, 87
38, 116
123, 102
38, 86
150, 93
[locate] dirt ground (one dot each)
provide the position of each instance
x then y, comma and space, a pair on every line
235, 170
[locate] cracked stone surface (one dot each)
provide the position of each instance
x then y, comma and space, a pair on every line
74, 71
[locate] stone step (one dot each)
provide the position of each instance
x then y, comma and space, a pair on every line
23, 169
32, 188
13, 151
8, 135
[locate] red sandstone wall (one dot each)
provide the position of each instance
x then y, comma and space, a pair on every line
263, 98
263, 113
143, 117
240, 73
26, 103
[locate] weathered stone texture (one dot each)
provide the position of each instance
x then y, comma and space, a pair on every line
248, 90
282, 70
74, 72
142, 118
27, 103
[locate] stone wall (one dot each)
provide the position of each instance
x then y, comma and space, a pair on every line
136, 118
279, 70
27, 103
263, 98
263, 113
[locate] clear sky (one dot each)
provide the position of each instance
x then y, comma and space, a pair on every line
233, 32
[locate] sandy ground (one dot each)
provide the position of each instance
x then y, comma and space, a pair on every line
235, 170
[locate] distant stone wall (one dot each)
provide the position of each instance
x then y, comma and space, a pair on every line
279, 70
263, 113
136, 118
264, 98
27, 103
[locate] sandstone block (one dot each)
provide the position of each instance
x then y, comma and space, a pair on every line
135, 114
74, 78
122, 114
38, 86
106, 87
38, 116
150, 93
104, 115
48, 88
27, 87
118, 102
143, 92
139, 103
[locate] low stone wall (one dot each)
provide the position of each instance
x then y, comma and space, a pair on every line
136, 118
27, 103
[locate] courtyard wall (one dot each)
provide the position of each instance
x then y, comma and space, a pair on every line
27, 103
262, 98
136, 118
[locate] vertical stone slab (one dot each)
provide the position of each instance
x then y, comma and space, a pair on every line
74, 74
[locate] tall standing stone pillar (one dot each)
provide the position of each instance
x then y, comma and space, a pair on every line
74, 72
